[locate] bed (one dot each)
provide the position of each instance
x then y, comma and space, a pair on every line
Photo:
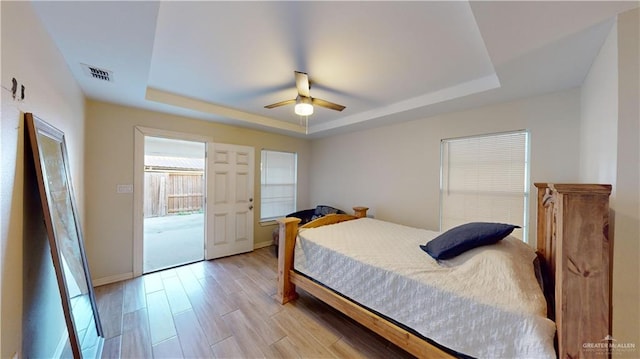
330, 260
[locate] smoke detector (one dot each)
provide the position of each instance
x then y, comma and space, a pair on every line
97, 73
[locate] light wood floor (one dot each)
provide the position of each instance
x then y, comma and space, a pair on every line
225, 309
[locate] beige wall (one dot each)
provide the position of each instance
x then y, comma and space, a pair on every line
626, 282
610, 133
109, 161
29, 55
395, 169
599, 116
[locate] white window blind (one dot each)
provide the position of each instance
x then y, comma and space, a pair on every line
485, 179
278, 184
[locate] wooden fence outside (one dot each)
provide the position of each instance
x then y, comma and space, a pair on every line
173, 192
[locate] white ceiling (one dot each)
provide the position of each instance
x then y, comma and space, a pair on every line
385, 61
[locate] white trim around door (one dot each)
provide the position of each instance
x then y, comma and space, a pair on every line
138, 185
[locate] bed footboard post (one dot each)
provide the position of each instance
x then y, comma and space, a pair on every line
360, 212
288, 234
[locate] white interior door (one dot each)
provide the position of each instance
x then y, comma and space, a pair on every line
230, 200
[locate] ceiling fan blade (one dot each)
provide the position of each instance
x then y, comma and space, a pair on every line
327, 104
281, 103
302, 83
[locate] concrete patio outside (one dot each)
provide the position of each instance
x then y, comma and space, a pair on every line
173, 240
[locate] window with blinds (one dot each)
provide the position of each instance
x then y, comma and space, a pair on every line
278, 182
485, 179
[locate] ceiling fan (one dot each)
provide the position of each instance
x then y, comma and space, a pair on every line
304, 102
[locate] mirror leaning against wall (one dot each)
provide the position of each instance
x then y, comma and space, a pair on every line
65, 238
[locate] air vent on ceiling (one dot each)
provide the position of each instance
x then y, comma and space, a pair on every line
98, 73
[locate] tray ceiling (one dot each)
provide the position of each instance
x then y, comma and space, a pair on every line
385, 61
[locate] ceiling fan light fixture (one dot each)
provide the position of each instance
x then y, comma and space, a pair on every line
303, 106
304, 102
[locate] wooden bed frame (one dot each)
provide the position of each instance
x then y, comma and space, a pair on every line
572, 330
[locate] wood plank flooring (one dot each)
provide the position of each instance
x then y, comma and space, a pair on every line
225, 308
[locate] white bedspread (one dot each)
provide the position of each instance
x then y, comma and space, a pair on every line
485, 303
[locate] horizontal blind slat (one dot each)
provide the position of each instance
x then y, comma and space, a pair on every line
483, 179
278, 184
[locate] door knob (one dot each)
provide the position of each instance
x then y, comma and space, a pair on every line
250, 207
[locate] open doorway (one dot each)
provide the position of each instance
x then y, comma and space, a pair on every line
174, 203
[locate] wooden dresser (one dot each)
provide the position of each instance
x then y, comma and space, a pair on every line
577, 220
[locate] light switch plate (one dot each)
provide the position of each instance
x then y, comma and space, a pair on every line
124, 188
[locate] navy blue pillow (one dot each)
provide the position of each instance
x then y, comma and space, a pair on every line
460, 239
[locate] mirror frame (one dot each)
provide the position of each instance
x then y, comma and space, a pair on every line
35, 127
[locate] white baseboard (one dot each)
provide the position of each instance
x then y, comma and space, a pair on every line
262, 244
112, 279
